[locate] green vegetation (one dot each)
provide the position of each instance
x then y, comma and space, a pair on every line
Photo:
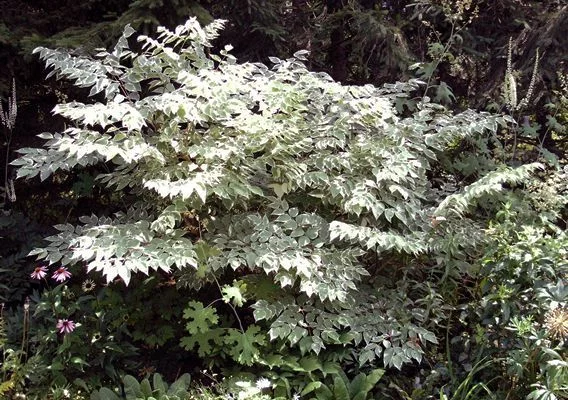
261, 230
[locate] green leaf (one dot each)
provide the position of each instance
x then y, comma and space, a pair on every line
201, 319
310, 387
180, 386
233, 294
146, 388
340, 391
131, 386
243, 347
310, 364
208, 343
444, 94
105, 394
324, 393
358, 385
79, 360
160, 387
373, 378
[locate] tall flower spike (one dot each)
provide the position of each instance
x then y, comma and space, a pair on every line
10, 190
532, 83
510, 86
8, 118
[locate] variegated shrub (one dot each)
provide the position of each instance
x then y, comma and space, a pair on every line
318, 195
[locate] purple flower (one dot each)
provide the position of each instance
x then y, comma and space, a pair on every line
39, 272
61, 274
65, 326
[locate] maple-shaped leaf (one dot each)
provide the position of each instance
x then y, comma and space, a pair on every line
200, 318
242, 347
207, 343
233, 294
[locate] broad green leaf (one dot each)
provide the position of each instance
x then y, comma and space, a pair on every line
201, 319
243, 347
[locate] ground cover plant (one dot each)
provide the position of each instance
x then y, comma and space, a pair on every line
294, 236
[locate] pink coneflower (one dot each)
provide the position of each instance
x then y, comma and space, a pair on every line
61, 274
39, 272
65, 326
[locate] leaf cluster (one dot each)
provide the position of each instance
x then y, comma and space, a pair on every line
292, 179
